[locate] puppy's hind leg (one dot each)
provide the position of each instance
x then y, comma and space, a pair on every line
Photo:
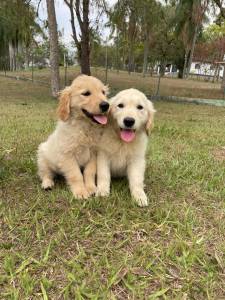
45, 172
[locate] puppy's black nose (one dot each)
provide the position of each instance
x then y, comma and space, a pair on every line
104, 106
129, 122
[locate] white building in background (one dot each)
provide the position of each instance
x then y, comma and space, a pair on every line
197, 68
205, 69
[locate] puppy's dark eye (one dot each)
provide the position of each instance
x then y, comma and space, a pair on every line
120, 105
86, 94
103, 92
140, 107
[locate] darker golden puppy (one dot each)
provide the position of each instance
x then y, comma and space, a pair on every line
82, 112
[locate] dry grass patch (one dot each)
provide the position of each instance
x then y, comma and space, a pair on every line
219, 154
169, 86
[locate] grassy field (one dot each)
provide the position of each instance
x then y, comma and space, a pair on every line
53, 246
169, 86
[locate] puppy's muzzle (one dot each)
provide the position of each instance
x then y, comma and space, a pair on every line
104, 106
128, 122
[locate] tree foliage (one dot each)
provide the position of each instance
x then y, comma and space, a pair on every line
17, 26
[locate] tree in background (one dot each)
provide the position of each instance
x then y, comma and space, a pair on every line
79, 12
18, 29
149, 11
213, 40
124, 18
198, 16
167, 48
41, 53
154, 41
221, 31
143, 34
221, 5
188, 19
118, 24
83, 45
54, 47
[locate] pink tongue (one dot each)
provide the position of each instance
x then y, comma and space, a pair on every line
100, 119
127, 135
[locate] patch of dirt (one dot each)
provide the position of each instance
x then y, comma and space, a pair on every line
219, 154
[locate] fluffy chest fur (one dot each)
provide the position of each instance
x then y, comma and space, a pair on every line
75, 139
120, 153
76, 136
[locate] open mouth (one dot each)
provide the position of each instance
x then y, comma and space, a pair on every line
127, 135
99, 119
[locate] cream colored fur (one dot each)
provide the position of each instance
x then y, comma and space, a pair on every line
117, 158
73, 143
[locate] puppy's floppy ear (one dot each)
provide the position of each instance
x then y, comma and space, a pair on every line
63, 110
151, 112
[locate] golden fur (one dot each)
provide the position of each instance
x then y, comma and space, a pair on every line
73, 143
119, 158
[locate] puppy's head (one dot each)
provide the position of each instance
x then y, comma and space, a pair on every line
86, 97
132, 112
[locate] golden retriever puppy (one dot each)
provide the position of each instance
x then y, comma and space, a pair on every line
123, 144
82, 113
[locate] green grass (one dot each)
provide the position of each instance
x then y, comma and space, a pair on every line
53, 246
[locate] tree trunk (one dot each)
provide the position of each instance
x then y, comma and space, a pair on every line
83, 45
85, 58
185, 63
192, 50
19, 55
180, 73
54, 48
27, 58
117, 53
124, 59
131, 39
216, 72
130, 58
85, 40
12, 56
146, 51
162, 69
223, 80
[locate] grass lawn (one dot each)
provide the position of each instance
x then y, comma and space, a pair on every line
168, 87
53, 246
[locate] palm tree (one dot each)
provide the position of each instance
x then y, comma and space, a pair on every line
54, 47
124, 18
118, 24
149, 11
17, 30
190, 15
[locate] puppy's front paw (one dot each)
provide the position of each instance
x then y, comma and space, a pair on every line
102, 192
80, 193
140, 197
47, 184
91, 188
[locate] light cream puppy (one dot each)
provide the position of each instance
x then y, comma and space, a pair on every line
72, 145
123, 144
